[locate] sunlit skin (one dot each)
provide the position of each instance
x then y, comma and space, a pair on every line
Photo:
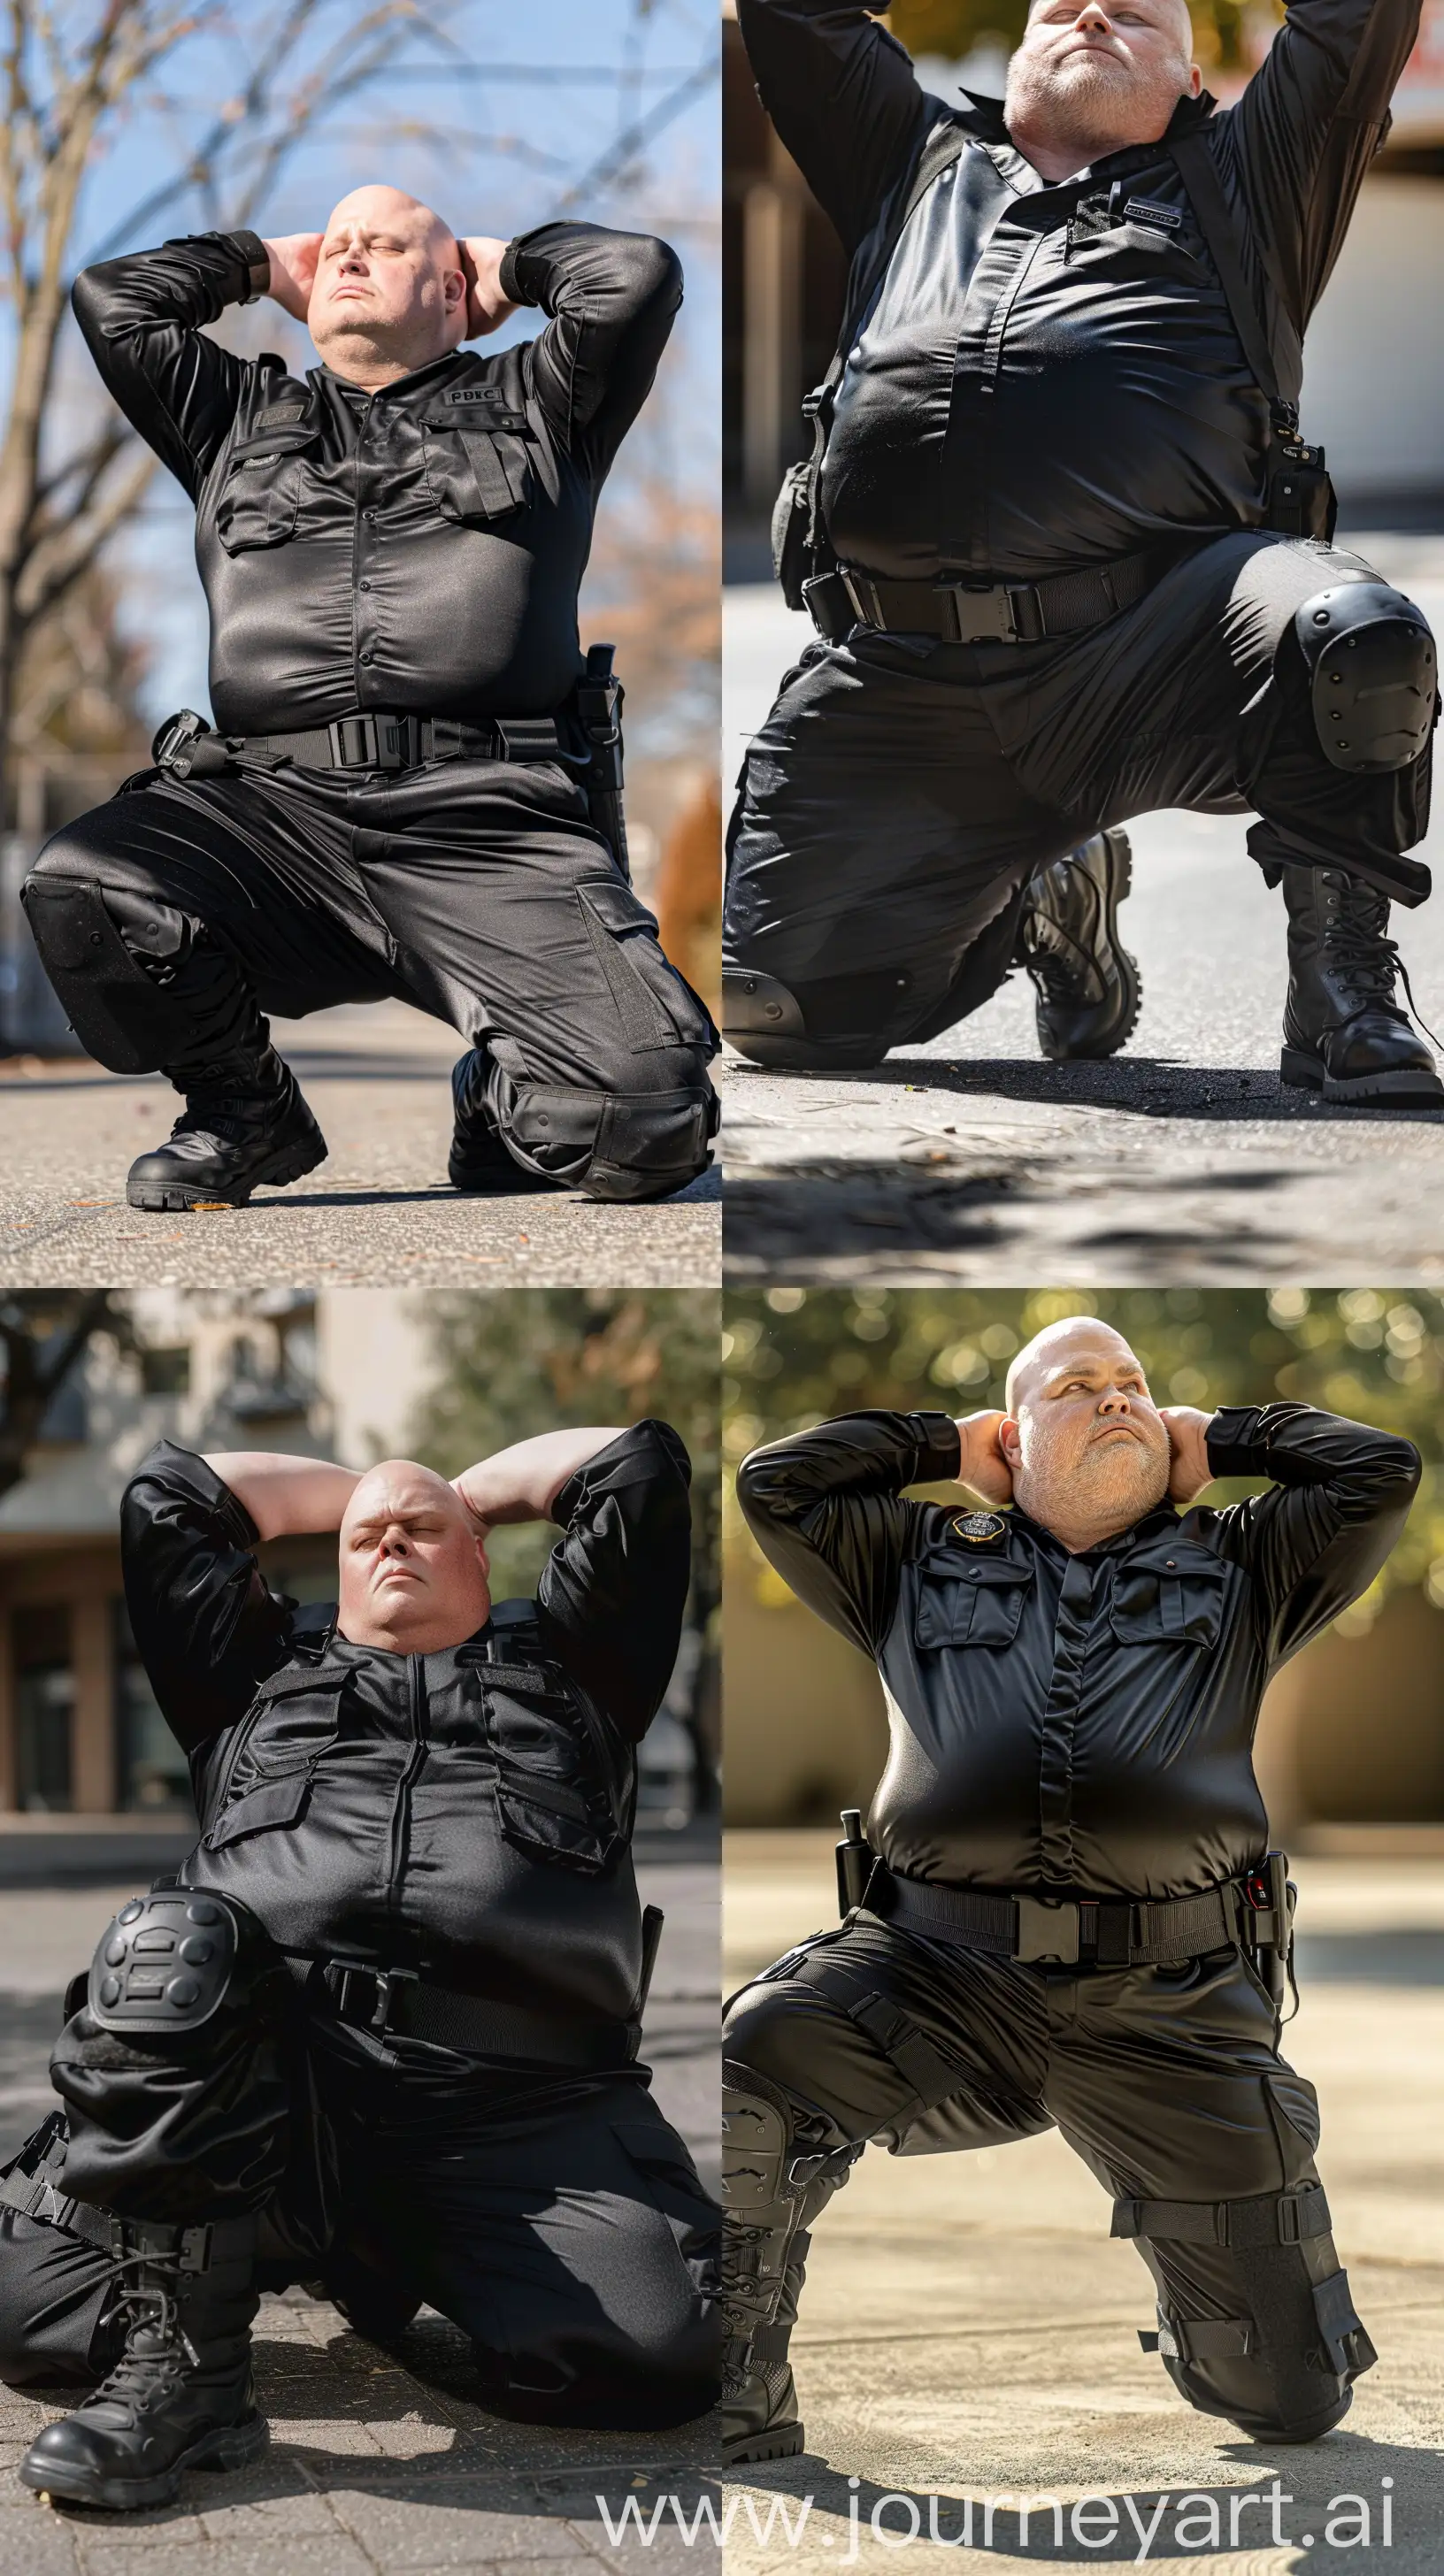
1082, 1446
1088, 81
388, 287
414, 1574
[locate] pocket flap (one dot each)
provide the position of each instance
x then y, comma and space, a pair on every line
1180, 1601
275, 1802
969, 1601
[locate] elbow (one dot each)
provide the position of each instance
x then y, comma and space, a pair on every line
654, 274
87, 303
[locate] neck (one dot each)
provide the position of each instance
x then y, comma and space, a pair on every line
1077, 1535
371, 368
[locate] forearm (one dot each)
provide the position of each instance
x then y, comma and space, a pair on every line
143, 320
286, 1497
523, 1482
826, 1509
612, 299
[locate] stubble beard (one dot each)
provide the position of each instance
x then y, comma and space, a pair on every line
1103, 1487
1091, 104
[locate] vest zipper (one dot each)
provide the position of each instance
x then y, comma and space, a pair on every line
400, 1813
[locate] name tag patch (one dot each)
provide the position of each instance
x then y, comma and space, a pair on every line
1144, 210
978, 1527
280, 415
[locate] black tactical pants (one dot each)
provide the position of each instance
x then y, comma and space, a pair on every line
1167, 2081
558, 2220
901, 793
476, 890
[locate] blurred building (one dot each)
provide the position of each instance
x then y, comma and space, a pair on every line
1374, 384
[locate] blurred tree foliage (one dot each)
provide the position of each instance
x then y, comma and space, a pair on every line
507, 1366
792, 1356
1228, 35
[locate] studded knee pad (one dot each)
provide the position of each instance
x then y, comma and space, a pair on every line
1373, 675
611, 1145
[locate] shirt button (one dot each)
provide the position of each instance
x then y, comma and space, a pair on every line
365, 660
363, 585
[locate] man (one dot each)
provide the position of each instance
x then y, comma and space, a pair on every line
1071, 1903
390, 548
382, 2030
1047, 548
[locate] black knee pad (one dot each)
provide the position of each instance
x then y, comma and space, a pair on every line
1373, 675
845, 1022
111, 955
611, 1145
1281, 2366
174, 1960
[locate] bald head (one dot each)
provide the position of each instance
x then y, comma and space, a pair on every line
1095, 76
390, 290
1088, 1451
414, 1575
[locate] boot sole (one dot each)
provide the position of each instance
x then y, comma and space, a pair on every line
1308, 1073
178, 1198
231, 2446
783, 2444
1120, 886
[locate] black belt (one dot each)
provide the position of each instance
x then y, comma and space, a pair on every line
1113, 1933
998, 612
395, 2003
187, 747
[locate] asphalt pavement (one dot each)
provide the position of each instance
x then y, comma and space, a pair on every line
378, 2461
969, 2331
378, 1212
1183, 1159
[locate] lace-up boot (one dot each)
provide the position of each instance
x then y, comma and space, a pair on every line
180, 2396
1345, 1034
780, 2167
243, 1123
1087, 983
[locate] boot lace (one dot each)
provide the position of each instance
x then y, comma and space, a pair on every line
1357, 942
151, 2309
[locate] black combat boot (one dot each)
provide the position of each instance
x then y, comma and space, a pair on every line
479, 1162
1088, 985
780, 2167
180, 2397
243, 1123
1345, 1035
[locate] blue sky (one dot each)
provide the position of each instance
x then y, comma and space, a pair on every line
495, 128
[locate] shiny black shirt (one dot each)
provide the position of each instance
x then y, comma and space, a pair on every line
1048, 374
414, 551
467, 1813
1076, 1725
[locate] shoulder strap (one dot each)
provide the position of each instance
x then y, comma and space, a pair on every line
1199, 173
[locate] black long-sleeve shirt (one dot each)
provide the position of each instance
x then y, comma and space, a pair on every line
467, 1812
1077, 1725
414, 551
1045, 378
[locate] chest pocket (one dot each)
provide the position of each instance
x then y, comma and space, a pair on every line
267, 1778
477, 464
1178, 1601
261, 498
553, 1798
969, 1601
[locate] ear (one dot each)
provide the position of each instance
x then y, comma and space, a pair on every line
1195, 81
453, 288
1010, 1441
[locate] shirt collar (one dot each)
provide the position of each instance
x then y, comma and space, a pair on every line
982, 117
1163, 1516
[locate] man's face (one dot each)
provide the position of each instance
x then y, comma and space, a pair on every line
388, 280
1086, 1444
413, 1571
1110, 75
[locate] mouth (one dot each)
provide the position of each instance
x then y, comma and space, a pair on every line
1118, 1431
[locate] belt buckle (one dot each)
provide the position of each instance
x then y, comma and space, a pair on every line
867, 610
990, 617
1047, 1929
353, 742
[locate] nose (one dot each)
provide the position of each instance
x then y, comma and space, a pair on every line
394, 1543
1094, 20
1115, 1401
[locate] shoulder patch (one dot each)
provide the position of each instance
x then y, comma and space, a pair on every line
978, 1527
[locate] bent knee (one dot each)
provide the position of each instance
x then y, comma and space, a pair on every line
613, 2379
622, 1144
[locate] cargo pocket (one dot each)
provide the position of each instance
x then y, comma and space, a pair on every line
478, 468
656, 1006
969, 1602
288, 1726
550, 1801
275, 1802
261, 498
1177, 1602
1294, 2106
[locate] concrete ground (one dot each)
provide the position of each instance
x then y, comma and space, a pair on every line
376, 2463
379, 1212
968, 2327
1182, 1159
